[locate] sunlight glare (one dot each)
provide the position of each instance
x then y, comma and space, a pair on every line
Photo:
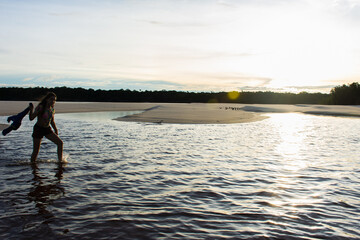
292, 133
233, 95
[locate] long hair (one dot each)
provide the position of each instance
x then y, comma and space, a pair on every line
43, 100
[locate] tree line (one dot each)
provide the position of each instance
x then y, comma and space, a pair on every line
345, 94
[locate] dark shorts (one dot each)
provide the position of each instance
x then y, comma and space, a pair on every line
40, 132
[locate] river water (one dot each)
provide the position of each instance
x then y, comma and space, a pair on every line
291, 176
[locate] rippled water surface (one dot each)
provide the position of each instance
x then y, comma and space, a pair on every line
291, 176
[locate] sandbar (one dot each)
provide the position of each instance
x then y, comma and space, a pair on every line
188, 113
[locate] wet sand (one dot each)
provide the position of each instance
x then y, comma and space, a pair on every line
198, 113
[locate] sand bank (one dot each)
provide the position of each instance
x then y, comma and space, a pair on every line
188, 112
198, 113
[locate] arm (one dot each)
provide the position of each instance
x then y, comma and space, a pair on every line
54, 126
33, 114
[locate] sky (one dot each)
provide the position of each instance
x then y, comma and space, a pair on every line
183, 45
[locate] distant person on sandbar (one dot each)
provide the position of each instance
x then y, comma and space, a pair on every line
45, 117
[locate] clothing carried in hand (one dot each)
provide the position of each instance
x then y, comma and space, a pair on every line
16, 120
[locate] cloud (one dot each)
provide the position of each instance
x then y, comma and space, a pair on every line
218, 55
256, 3
65, 14
196, 54
84, 83
293, 89
17, 85
226, 4
27, 79
45, 78
310, 89
4, 51
240, 81
214, 83
349, 9
186, 45
237, 79
354, 11
147, 85
184, 23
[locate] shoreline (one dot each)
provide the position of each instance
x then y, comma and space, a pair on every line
189, 113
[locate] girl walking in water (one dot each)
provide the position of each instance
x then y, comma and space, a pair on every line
45, 118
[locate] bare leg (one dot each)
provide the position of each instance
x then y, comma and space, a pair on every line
36, 148
55, 139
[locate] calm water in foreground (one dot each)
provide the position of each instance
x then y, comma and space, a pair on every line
291, 176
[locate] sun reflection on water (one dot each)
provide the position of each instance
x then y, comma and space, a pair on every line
292, 128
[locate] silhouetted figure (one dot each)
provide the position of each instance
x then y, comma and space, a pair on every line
44, 112
16, 120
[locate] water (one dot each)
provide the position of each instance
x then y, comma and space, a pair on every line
291, 176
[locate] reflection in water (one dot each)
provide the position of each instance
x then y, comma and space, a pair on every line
293, 131
45, 190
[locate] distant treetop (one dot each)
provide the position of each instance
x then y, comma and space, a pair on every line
345, 94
